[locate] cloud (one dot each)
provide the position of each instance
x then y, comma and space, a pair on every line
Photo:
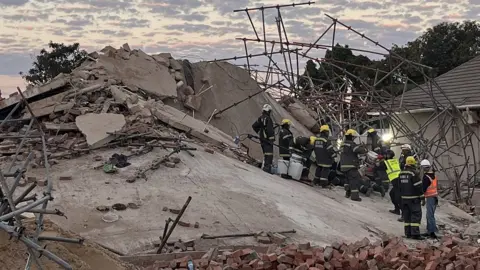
13, 2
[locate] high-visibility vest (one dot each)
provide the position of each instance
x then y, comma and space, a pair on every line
393, 168
432, 189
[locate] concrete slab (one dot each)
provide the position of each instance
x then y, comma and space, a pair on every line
180, 120
228, 197
96, 125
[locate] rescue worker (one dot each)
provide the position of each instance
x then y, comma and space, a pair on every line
406, 152
264, 128
325, 156
336, 177
393, 172
350, 163
374, 142
431, 196
369, 185
303, 147
411, 192
381, 177
365, 186
285, 138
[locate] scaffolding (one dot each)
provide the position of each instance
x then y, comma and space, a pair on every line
15, 203
345, 106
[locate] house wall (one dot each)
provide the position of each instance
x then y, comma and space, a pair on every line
448, 159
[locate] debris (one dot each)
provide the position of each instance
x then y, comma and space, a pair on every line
133, 206
175, 222
119, 161
65, 178
97, 127
175, 211
165, 209
119, 207
209, 150
197, 225
205, 236
109, 168
110, 217
169, 164
184, 224
103, 208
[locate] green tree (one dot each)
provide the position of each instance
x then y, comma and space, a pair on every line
59, 58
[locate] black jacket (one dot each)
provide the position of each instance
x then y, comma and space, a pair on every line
380, 171
375, 144
264, 127
301, 146
403, 158
324, 151
285, 139
349, 155
410, 184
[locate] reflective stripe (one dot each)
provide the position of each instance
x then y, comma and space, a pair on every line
418, 183
321, 178
354, 190
356, 147
324, 165
348, 166
268, 154
412, 197
272, 138
287, 136
408, 172
284, 155
330, 146
412, 224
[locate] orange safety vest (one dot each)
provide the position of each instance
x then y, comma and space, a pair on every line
432, 189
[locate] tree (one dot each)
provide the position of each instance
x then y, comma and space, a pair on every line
60, 58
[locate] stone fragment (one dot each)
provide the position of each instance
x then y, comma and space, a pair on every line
174, 64
96, 127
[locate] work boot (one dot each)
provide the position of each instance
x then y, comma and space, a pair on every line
395, 211
369, 192
347, 191
382, 191
357, 199
417, 237
400, 219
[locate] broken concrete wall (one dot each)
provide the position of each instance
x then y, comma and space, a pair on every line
219, 85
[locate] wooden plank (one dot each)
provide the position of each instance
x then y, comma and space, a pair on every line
61, 127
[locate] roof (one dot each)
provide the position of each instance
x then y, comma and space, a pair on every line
460, 85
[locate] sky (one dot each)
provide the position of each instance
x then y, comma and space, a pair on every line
207, 29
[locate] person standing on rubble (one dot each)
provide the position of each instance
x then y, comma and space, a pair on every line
350, 163
411, 192
285, 138
431, 196
374, 142
325, 156
264, 128
393, 170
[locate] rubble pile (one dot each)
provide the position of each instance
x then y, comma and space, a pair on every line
451, 253
113, 99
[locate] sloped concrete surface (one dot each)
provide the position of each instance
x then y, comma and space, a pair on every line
228, 197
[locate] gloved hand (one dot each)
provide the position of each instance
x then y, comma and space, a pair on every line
423, 201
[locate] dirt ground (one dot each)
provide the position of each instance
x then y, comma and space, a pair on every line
88, 256
228, 196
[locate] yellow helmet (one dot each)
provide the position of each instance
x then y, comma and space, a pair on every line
410, 161
286, 121
371, 130
324, 128
351, 132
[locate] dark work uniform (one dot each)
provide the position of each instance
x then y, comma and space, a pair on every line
411, 192
374, 143
403, 157
325, 154
285, 139
302, 147
264, 128
349, 165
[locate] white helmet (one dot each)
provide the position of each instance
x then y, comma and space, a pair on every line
425, 163
267, 108
406, 146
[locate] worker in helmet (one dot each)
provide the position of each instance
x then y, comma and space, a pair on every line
431, 196
411, 192
393, 170
303, 147
374, 142
406, 152
264, 128
380, 176
325, 156
350, 163
285, 138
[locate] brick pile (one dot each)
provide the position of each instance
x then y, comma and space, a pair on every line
452, 253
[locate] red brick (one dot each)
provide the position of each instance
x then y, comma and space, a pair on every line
272, 257
354, 264
282, 267
247, 251
319, 266
335, 263
363, 255
337, 255
431, 265
320, 258
313, 268
285, 259
254, 263
307, 254
303, 266
421, 245
469, 267
378, 257
310, 262
403, 267
304, 246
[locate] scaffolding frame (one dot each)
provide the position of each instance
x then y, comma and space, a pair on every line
333, 105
